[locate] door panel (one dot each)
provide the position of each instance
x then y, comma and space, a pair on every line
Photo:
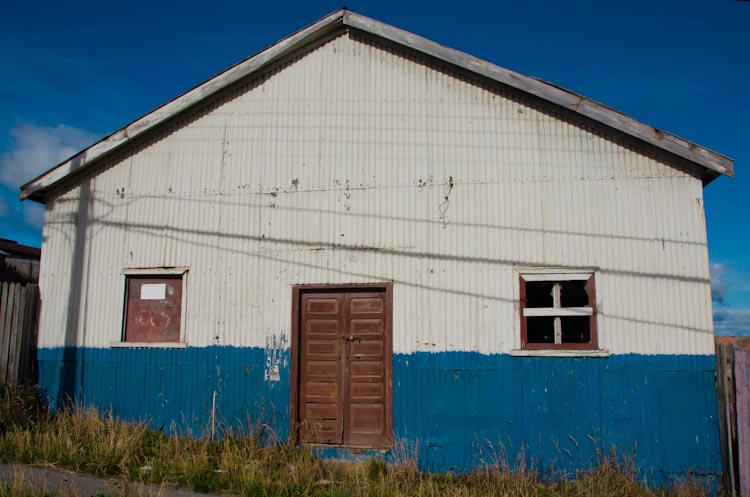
344, 355
365, 401
321, 371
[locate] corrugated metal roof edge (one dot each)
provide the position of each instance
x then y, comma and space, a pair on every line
716, 164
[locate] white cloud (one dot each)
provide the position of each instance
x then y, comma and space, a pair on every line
718, 287
36, 149
3, 207
729, 321
33, 214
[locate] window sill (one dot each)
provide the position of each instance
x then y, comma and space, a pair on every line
148, 345
559, 353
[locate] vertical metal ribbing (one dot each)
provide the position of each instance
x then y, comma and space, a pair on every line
254, 191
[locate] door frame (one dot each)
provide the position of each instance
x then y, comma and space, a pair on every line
297, 291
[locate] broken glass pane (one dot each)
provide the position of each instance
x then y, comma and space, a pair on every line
574, 293
539, 294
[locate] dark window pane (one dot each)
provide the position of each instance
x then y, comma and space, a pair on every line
540, 330
574, 294
539, 294
576, 329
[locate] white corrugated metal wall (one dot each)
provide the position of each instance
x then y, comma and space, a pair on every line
334, 168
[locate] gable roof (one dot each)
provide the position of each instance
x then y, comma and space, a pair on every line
714, 164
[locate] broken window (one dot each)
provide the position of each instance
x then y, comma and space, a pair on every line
153, 308
558, 310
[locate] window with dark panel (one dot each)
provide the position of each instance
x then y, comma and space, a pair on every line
558, 311
153, 308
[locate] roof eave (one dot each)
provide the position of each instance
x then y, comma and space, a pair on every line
715, 163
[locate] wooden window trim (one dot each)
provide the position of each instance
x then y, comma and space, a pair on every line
559, 275
297, 291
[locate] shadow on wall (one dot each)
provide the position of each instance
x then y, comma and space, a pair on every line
67, 387
88, 227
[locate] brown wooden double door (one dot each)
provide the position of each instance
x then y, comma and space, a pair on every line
344, 367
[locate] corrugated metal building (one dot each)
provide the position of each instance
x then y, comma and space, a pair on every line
364, 239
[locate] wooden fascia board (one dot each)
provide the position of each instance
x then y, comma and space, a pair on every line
34, 189
549, 92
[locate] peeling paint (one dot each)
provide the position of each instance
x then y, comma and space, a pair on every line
276, 356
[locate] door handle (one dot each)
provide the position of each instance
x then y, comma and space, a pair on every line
353, 339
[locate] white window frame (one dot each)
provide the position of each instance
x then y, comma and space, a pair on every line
557, 274
152, 271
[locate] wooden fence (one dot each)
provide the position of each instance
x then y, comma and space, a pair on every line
733, 383
19, 309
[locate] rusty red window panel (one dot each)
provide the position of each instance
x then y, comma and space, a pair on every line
153, 308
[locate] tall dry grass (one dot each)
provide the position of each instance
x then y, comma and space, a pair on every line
85, 440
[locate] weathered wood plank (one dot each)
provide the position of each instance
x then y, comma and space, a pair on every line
3, 311
35, 334
20, 342
732, 401
6, 316
28, 343
18, 336
742, 395
723, 418
19, 306
724, 373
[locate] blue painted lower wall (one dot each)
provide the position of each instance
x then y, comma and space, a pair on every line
452, 410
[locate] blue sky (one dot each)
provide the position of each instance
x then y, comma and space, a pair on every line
73, 72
